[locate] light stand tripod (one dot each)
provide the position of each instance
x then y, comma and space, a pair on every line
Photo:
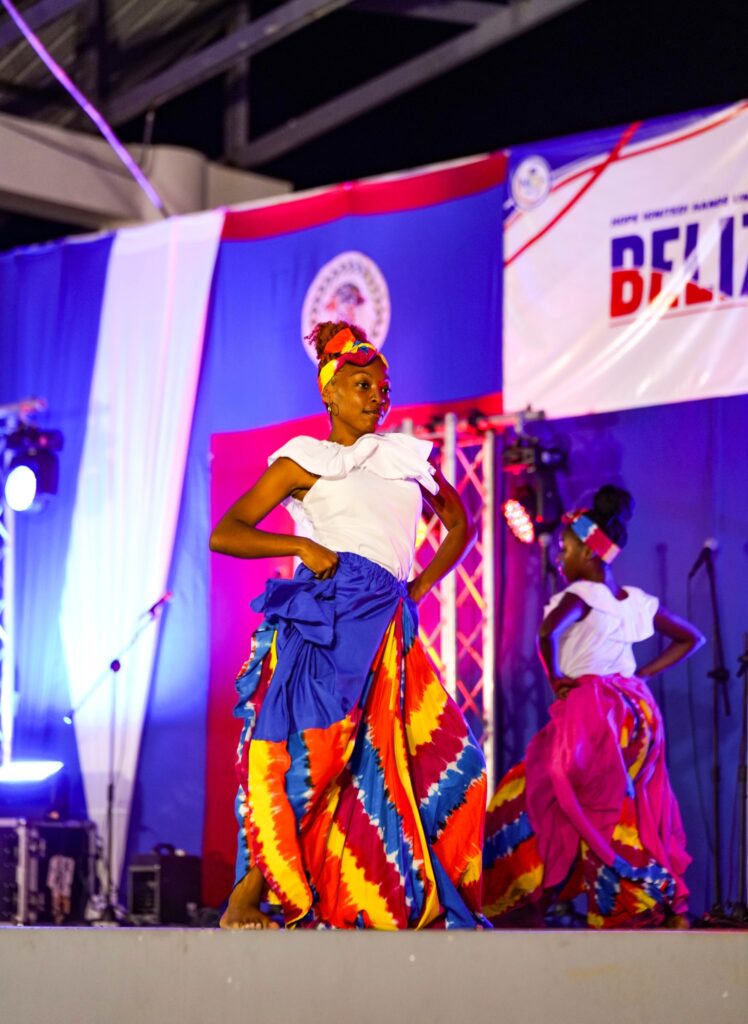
719, 675
111, 912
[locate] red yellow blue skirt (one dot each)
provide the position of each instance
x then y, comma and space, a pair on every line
590, 810
362, 791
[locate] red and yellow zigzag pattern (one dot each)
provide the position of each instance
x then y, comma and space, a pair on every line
357, 824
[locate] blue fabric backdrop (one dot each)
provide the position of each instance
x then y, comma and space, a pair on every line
687, 467
50, 300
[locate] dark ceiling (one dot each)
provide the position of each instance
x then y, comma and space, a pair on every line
598, 63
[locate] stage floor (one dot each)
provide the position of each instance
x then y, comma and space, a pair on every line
203, 976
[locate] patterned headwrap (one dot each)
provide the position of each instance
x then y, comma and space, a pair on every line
345, 347
591, 534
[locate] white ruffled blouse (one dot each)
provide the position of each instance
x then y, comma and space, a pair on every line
367, 499
601, 643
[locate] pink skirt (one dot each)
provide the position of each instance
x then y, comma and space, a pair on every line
590, 809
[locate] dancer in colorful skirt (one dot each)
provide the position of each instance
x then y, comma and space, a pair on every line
590, 809
362, 791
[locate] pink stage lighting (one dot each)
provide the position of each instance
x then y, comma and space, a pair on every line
519, 520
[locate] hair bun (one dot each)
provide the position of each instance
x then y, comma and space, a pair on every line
612, 508
324, 332
613, 503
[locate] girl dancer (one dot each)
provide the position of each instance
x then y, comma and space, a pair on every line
590, 809
362, 799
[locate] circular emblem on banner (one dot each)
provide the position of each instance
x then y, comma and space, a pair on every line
531, 182
350, 287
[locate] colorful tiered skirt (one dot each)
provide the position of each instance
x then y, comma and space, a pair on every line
362, 791
590, 810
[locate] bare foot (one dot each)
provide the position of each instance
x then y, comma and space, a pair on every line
243, 910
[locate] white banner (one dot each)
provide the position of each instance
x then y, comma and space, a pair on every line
626, 266
129, 491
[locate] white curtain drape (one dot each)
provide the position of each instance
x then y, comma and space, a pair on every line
129, 488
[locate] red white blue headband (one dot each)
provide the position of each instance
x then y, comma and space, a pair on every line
591, 534
344, 348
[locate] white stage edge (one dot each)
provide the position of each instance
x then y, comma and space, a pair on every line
192, 976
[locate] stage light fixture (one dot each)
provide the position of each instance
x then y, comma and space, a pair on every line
518, 512
533, 509
31, 470
28, 771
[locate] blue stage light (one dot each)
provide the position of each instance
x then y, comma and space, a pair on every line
31, 471
29, 771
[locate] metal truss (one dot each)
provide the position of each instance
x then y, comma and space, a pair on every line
243, 42
458, 618
10, 416
134, 56
458, 12
458, 625
7, 632
504, 24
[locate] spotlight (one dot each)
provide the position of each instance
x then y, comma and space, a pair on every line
518, 512
28, 771
31, 470
533, 509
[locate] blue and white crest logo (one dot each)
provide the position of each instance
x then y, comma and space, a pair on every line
350, 287
531, 182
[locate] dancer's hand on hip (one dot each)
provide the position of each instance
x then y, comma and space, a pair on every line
319, 559
561, 685
417, 590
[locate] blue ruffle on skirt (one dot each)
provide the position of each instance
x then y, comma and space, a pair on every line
328, 632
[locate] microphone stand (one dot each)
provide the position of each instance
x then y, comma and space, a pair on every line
719, 675
740, 909
111, 911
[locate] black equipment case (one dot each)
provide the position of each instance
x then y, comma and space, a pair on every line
163, 887
47, 870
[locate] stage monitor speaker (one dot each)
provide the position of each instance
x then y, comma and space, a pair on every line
163, 887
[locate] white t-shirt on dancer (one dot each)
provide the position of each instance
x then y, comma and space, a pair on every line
600, 644
367, 500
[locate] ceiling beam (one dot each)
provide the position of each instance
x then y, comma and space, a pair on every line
149, 37
36, 17
144, 57
236, 105
458, 12
149, 57
21, 89
219, 57
507, 24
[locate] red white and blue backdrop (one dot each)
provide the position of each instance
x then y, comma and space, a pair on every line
601, 278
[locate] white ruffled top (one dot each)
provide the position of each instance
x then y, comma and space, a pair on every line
601, 644
367, 499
